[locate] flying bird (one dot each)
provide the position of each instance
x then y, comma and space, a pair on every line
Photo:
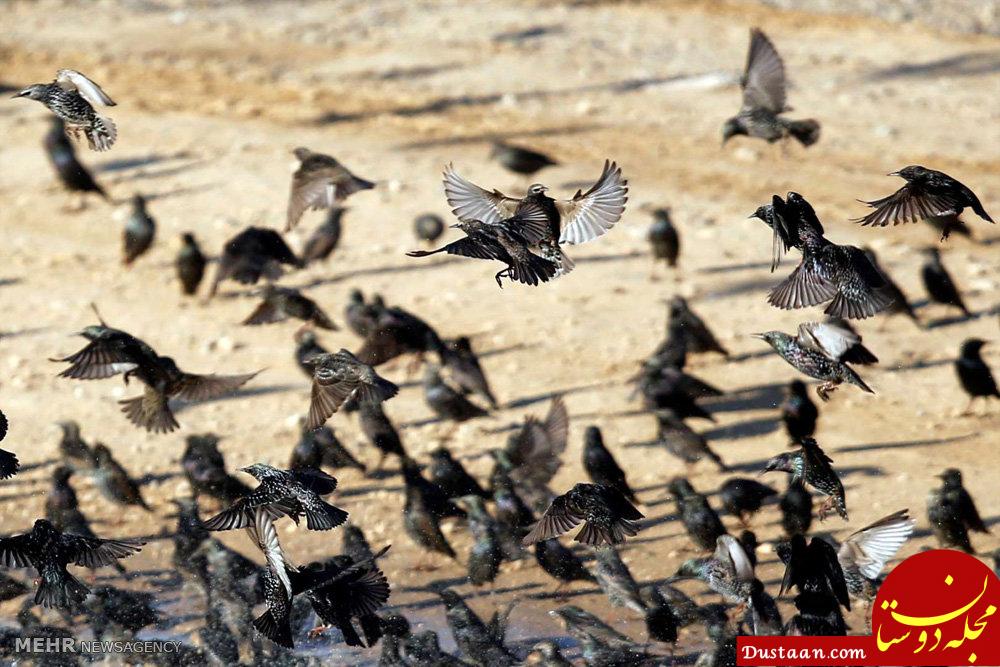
338, 376
72, 97
8, 461
607, 516
864, 554
254, 253
811, 465
281, 303
804, 354
320, 182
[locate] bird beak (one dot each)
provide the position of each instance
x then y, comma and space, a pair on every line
20, 94
893, 173
752, 215
757, 335
455, 226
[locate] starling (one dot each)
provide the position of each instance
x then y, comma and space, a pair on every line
446, 402
546, 654
814, 362
900, 304
796, 509
289, 492
763, 86
61, 498
938, 282
798, 412
927, 193
699, 337
678, 439
281, 303
422, 514
700, 521
560, 562
514, 519
748, 539
661, 621
114, 481
251, 254
952, 513
377, 427
815, 570
205, 470
763, 615
465, 370
361, 317
320, 182
396, 332
743, 497
607, 515
672, 352
478, 642
584, 218
533, 454
665, 388
600, 464
663, 239
863, 555
321, 448
428, 227
50, 551
424, 648
306, 347
190, 264
112, 351
434, 497
486, 554
583, 625
973, 373
838, 340
339, 376
140, 229
72, 96
324, 239
449, 474
727, 571
616, 580
520, 160
74, 176
8, 461
811, 465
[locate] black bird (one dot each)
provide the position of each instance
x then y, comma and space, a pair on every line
608, 516
600, 464
446, 402
803, 354
811, 465
428, 227
561, 563
672, 351
361, 317
50, 551
478, 642
112, 351
900, 304
815, 571
354, 544
748, 539
289, 492
306, 347
514, 518
426, 504
281, 303
952, 513
321, 448
253, 253
190, 264
927, 193
435, 499
743, 497
424, 648
486, 553
973, 373
394, 332
449, 474
339, 376
699, 337
663, 238
465, 370
665, 388
661, 621
763, 85
72, 96
139, 232
8, 461
938, 282
74, 176
680, 440
120, 611
378, 428
113, 480
324, 239
798, 412
700, 521
205, 470
520, 160
61, 498
320, 182
796, 509
533, 454
73, 451
616, 580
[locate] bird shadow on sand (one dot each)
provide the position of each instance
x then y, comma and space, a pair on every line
414, 72
484, 137
7, 282
362, 490
922, 364
406, 267
549, 395
901, 445
974, 63
744, 429
29, 331
156, 478
760, 397
17, 496
524, 34
729, 268
950, 321
124, 164
177, 192
749, 356
497, 351
744, 287
242, 393
28, 467
612, 257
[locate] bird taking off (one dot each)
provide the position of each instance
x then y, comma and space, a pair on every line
72, 97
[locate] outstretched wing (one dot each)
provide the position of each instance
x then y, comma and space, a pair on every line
589, 215
728, 550
471, 202
871, 547
94, 552
14, 551
909, 204
100, 359
263, 533
558, 519
827, 339
70, 79
764, 78
204, 387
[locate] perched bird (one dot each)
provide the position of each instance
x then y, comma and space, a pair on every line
952, 513
514, 518
520, 160
445, 401
600, 464
585, 217
927, 193
139, 232
321, 448
428, 227
8, 461
361, 317
900, 304
324, 239
477, 641
665, 388
486, 554
743, 497
798, 412
50, 551
190, 264
465, 370
73, 451
74, 176
699, 337
700, 521
253, 253
422, 513
532, 455
664, 241
811, 465
938, 282
112, 351
661, 620
289, 492
319, 182
434, 497
973, 373
607, 515
378, 428
72, 97
449, 474
727, 571
205, 469
802, 353
796, 509
281, 303
815, 571
616, 580
561, 563
763, 85
863, 555
680, 440
113, 480
339, 376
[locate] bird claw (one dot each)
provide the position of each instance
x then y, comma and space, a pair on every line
317, 631
824, 509
824, 391
500, 274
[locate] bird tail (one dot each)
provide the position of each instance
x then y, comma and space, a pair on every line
323, 321
806, 131
8, 464
329, 517
856, 380
279, 633
380, 390
355, 185
60, 592
533, 271
101, 133
151, 411
866, 304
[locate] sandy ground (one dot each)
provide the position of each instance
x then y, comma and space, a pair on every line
213, 97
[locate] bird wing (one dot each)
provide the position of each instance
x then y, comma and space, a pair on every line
312, 188
871, 547
824, 557
94, 552
205, 387
558, 519
530, 221
804, 287
729, 551
263, 533
151, 411
331, 387
909, 204
70, 79
265, 313
14, 551
481, 247
315, 480
557, 426
827, 339
471, 202
100, 359
589, 215
764, 77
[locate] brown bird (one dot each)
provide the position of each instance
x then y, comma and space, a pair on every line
254, 253
320, 182
114, 481
324, 238
281, 303
339, 376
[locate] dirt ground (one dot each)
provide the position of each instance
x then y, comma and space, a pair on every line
212, 97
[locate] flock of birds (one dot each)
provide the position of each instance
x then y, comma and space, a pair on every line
515, 514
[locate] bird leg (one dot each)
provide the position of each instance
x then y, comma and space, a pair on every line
825, 389
317, 631
968, 408
825, 508
502, 274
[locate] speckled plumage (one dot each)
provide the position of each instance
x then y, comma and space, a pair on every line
810, 464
